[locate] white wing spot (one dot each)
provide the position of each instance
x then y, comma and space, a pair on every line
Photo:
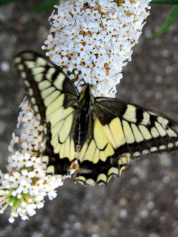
145, 152
160, 129
30, 91
171, 133
137, 134
38, 77
154, 132
27, 84
170, 145
153, 149
128, 132
20, 67
47, 92
162, 147
50, 73
59, 81
145, 132
45, 159
50, 169
18, 60
38, 70
44, 84
162, 121
130, 114
35, 108
146, 118
41, 61
23, 75
136, 154
33, 100
30, 64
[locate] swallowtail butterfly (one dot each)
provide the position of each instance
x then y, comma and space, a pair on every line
92, 137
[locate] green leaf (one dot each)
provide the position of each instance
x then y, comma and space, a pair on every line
46, 5
165, 2
2, 2
171, 19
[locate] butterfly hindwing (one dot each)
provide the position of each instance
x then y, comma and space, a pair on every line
95, 163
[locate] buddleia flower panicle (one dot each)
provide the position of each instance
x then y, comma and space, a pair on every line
93, 40
25, 185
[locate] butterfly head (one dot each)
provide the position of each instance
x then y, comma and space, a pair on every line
86, 97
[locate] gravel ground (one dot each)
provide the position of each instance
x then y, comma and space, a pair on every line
144, 201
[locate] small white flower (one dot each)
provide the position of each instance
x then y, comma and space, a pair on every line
15, 140
27, 146
25, 175
11, 219
35, 162
52, 194
39, 204
34, 191
24, 187
39, 172
31, 209
15, 179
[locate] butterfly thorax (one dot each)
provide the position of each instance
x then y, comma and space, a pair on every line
84, 117
86, 98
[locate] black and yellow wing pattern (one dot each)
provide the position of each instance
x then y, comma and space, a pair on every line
91, 138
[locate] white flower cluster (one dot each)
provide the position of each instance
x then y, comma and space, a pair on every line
93, 40
26, 184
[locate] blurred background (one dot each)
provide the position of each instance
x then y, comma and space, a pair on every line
144, 201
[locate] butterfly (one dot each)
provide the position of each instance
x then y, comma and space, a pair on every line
92, 138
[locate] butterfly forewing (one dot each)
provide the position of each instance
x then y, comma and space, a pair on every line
135, 130
122, 131
46, 85
53, 98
